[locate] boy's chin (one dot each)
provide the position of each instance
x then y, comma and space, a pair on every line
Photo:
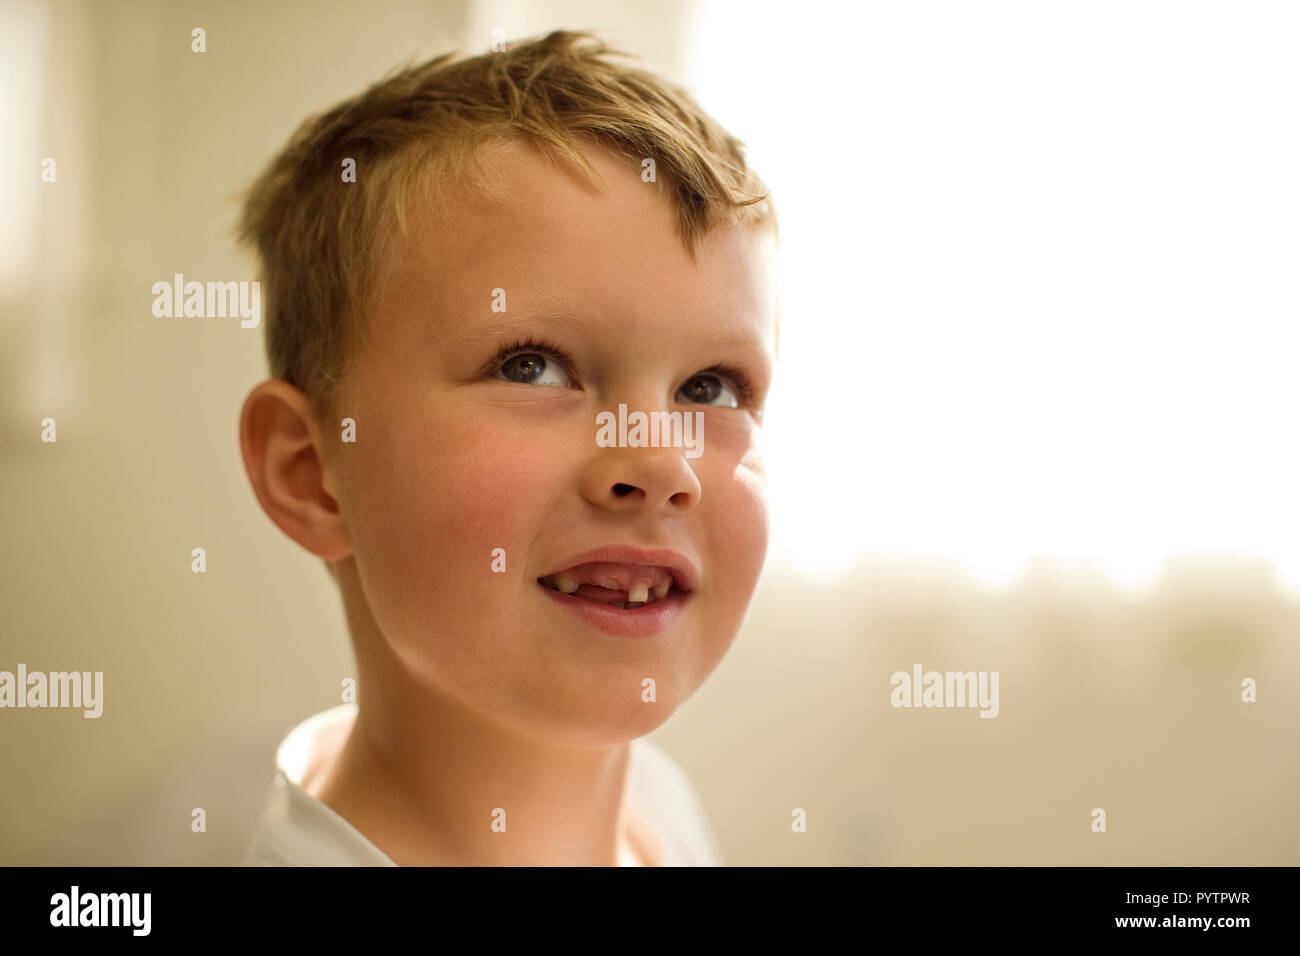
606, 726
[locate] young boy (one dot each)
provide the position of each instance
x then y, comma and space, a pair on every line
472, 269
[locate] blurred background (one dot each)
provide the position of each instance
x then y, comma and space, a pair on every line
1033, 415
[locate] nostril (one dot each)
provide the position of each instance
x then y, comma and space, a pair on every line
623, 490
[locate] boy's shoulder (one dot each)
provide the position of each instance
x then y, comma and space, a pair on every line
296, 829
660, 788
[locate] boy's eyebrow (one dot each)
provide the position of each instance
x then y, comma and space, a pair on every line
506, 324
509, 322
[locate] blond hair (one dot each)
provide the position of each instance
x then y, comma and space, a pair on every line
324, 245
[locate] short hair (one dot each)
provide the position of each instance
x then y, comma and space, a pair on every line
325, 245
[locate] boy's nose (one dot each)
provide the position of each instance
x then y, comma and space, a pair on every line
630, 479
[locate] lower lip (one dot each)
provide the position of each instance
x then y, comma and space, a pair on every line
623, 622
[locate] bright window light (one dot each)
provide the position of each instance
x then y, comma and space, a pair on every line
1041, 277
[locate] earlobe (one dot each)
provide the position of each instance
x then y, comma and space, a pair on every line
283, 457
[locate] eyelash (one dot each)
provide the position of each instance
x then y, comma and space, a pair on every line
737, 378
531, 345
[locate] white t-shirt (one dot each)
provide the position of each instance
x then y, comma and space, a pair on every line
296, 829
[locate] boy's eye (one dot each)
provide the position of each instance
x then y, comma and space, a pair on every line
707, 389
533, 368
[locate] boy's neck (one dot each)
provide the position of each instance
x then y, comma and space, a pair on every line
429, 788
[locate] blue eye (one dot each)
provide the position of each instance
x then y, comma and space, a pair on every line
706, 389
533, 368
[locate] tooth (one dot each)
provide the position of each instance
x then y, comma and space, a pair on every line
566, 583
639, 593
611, 584
662, 591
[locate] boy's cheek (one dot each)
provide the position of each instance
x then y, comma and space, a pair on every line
467, 490
434, 515
502, 479
752, 462
740, 530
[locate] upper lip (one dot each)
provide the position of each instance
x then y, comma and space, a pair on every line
685, 573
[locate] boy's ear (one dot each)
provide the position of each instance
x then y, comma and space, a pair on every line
283, 456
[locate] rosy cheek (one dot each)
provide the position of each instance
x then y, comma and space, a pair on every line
484, 485
744, 541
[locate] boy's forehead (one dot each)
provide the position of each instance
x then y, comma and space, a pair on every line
548, 237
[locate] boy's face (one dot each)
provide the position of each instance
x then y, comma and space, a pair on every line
462, 449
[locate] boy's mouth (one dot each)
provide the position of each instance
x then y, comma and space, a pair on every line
616, 584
